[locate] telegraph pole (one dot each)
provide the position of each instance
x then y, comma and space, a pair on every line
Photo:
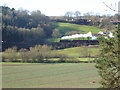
89, 48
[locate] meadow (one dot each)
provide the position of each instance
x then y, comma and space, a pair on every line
57, 75
68, 27
80, 51
65, 27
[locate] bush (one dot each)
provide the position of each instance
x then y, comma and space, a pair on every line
10, 54
37, 54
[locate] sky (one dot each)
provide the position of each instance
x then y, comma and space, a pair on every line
60, 7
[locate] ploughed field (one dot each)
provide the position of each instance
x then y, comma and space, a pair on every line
56, 75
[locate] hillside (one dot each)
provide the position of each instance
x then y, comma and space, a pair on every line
66, 27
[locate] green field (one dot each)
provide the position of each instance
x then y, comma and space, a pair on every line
78, 59
64, 75
80, 51
66, 27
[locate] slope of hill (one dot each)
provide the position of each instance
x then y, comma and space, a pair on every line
66, 27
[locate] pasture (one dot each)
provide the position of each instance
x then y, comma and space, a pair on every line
81, 51
57, 75
66, 27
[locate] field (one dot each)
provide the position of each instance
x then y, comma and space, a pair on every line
62, 75
80, 51
56, 75
65, 27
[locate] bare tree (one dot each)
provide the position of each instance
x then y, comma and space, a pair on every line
77, 14
111, 8
68, 15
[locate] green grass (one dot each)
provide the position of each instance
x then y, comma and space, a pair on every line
86, 59
53, 39
50, 75
56, 59
79, 54
66, 27
79, 51
79, 59
79, 39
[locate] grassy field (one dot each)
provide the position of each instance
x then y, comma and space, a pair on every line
78, 59
65, 27
79, 51
75, 54
64, 75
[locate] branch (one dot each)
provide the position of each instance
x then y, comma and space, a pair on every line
110, 7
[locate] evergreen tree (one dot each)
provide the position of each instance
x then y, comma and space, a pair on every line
108, 63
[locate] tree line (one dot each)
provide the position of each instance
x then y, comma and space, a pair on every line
23, 28
36, 54
89, 18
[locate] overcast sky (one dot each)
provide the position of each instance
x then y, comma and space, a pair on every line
59, 7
